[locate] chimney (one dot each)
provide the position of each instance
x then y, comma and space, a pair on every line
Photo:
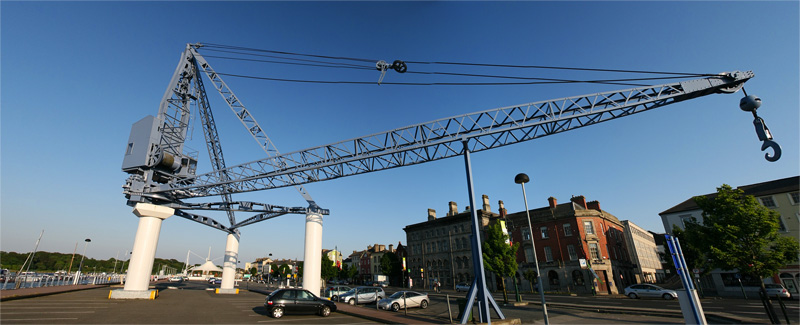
453, 209
579, 200
553, 202
502, 208
431, 214
593, 205
391, 248
486, 207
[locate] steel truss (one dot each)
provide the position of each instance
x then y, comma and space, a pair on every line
442, 138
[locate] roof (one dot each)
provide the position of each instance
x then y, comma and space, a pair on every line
783, 185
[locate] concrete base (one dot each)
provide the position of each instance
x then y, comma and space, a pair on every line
227, 291
133, 294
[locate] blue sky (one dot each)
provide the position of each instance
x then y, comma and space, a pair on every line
77, 75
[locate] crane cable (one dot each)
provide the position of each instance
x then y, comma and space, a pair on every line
327, 64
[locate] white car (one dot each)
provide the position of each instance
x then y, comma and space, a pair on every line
649, 291
403, 299
176, 279
463, 286
777, 290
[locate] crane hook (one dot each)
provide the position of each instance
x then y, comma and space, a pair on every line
764, 135
751, 104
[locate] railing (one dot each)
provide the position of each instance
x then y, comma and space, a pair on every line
11, 283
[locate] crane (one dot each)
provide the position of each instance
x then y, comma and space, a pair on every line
162, 177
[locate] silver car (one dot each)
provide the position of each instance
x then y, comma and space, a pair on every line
334, 291
777, 290
463, 286
362, 295
649, 291
403, 299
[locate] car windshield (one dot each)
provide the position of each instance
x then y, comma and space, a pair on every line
772, 286
350, 292
397, 295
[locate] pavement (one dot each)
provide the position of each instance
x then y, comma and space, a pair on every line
370, 313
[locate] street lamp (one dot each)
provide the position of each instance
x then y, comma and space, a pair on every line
80, 266
521, 179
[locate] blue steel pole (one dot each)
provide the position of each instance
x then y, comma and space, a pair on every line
680, 267
478, 284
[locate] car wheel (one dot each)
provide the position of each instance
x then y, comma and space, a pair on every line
395, 307
351, 302
277, 312
668, 296
334, 298
633, 295
423, 304
325, 312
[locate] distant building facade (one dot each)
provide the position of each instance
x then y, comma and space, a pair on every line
644, 253
580, 247
439, 249
782, 196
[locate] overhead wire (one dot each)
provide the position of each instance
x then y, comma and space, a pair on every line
284, 55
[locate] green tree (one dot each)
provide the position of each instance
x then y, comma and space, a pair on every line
498, 256
390, 266
532, 278
738, 233
328, 270
348, 272
253, 271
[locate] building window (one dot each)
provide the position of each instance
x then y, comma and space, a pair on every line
567, 230
548, 254
594, 251
544, 232
526, 234
684, 219
767, 201
781, 225
573, 255
529, 254
795, 196
588, 228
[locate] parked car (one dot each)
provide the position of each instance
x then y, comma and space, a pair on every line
333, 292
401, 299
649, 291
176, 279
362, 295
463, 286
297, 301
777, 290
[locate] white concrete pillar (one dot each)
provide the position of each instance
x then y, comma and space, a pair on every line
312, 259
229, 265
144, 246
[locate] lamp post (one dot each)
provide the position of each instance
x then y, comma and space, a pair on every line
80, 266
521, 179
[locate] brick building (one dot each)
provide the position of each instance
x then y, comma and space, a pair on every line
576, 242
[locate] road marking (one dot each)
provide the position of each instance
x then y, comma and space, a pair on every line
302, 320
37, 319
51, 312
18, 307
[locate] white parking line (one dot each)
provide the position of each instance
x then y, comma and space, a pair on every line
20, 307
301, 320
36, 319
51, 312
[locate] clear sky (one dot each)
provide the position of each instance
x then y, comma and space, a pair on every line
77, 75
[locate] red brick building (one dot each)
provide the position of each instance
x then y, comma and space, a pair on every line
577, 244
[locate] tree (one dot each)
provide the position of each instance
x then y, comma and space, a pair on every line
498, 256
738, 233
348, 272
328, 270
253, 271
390, 266
532, 277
